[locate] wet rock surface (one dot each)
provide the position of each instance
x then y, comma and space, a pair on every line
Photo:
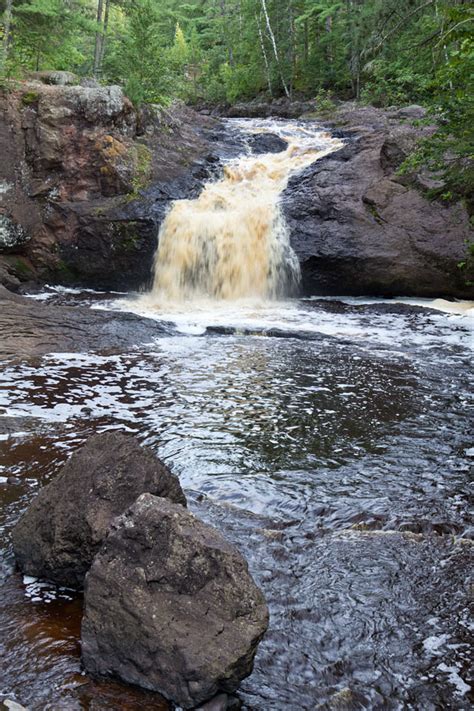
267, 143
171, 606
65, 525
360, 228
30, 327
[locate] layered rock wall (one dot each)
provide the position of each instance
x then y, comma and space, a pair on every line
85, 180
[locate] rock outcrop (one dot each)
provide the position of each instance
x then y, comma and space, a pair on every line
267, 143
85, 180
64, 526
32, 328
170, 606
258, 108
360, 228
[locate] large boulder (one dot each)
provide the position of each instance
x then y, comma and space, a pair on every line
65, 525
170, 606
360, 228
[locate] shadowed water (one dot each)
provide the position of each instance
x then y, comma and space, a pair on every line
331, 443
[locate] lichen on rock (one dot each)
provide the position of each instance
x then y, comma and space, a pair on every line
12, 235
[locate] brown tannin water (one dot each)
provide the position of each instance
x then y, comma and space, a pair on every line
330, 441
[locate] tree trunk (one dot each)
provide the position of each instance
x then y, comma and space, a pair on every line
275, 49
98, 39
104, 36
306, 42
7, 21
265, 58
292, 48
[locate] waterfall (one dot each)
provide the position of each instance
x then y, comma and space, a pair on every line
232, 242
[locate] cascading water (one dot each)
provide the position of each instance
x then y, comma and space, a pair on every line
232, 241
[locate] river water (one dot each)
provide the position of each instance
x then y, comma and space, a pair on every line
330, 440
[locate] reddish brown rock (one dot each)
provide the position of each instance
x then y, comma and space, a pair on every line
360, 228
85, 180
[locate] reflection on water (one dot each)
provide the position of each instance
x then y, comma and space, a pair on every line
336, 456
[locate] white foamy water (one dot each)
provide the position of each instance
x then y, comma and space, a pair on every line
232, 241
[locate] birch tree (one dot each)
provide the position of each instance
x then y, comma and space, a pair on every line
275, 48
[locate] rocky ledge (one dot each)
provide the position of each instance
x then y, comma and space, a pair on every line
360, 228
86, 179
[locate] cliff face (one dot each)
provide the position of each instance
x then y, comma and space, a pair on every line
85, 180
360, 228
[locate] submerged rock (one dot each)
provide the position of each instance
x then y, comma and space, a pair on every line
65, 525
170, 606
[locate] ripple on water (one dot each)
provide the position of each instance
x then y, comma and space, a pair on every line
323, 459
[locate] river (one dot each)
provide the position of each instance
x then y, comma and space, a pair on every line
329, 439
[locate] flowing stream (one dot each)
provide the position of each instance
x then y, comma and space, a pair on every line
329, 439
232, 242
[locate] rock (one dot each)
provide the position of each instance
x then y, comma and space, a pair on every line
90, 178
359, 228
59, 78
399, 143
170, 606
65, 525
267, 143
221, 702
413, 112
33, 328
12, 705
12, 236
89, 82
282, 108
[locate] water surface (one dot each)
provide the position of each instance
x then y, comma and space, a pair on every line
331, 443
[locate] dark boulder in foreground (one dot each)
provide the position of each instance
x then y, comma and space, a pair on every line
267, 143
65, 525
170, 606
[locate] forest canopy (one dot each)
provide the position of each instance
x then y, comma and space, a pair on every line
383, 51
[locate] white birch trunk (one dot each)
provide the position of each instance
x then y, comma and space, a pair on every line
275, 50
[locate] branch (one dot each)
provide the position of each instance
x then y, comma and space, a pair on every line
469, 19
400, 24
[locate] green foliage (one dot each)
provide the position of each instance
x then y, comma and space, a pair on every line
324, 102
29, 98
142, 162
47, 34
467, 265
384, 52
451, 150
